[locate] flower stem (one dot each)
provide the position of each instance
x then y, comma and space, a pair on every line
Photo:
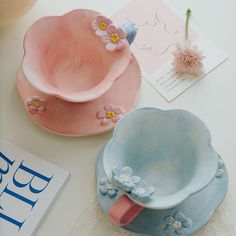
188, 14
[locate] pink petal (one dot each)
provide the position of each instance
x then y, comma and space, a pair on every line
105, 37
111, 46
111, 29
101, 114
117, 110
94, 25
43, 103
32, 110
108, 22
41, 109
108, 108
116, 118
36, 99
105, 121
100, 33
101, 19
121, 44
29, 102
121, 33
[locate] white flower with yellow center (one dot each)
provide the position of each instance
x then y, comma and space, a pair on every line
115, 38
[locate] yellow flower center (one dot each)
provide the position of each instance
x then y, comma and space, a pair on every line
114, 38
102, 26
110, 114
37, 104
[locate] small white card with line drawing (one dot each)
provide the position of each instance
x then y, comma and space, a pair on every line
160, 28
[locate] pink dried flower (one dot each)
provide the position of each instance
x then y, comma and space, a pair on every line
115, 38
100, 25
36, 105
109, 114
188, 60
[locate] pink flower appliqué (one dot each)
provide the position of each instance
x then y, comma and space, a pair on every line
36, 105
109, 114
115, 38
188, 60
100, 25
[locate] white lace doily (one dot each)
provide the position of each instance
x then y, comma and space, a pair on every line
92, 222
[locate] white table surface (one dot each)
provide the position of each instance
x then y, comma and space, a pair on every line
213, 99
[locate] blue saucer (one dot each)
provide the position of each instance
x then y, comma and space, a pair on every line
197, 208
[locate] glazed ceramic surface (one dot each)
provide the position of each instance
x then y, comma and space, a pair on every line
192, 214
171, 150
11, 10
79, 119
130, 31
65, 58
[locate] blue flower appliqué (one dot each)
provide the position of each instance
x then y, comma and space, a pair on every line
123, 178
142, 191
177, 223
106, 188
220, 171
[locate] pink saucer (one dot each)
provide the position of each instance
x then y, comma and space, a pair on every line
87, 118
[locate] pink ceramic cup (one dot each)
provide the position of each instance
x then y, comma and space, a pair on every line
124, 211
65, 58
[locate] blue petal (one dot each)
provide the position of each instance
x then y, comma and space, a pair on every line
135, 179
169, 229
116, 182
127, 171
219, 173
112, 193
120, 184
146, 186
103, 182
187, 223
169, 220
147, 198
127, 186
220, 163
103, 190
143, 184
116, 171
150, 190
134, 195
181, 230
179, 216
143, 197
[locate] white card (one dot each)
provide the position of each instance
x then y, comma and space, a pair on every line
160, 28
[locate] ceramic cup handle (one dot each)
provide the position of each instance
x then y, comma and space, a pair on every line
123, 211
130, 31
